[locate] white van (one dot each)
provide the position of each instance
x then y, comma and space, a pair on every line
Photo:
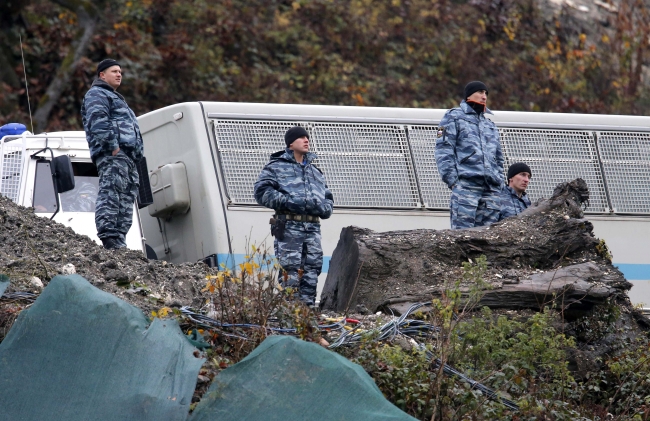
26, 178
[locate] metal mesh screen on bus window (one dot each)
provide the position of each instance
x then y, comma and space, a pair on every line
423, 143
11, 154
370, 165
366, 165
556, 156
626, 162
244, 148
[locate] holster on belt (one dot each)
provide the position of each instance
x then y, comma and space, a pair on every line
277, 227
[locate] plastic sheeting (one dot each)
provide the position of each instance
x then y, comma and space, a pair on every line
82, 354
287, 379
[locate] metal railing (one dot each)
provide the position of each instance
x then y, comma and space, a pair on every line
625, 159
11, 168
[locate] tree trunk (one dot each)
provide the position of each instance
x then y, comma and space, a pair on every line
87, 16
7, 73
546, 254
9, 20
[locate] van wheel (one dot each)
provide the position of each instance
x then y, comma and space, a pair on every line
151, 255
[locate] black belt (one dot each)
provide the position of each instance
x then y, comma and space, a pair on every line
298, 218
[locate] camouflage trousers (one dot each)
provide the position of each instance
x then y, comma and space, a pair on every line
474, 205
118, 188
301, 257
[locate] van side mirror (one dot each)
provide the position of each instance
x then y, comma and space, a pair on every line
62, 173
45, 199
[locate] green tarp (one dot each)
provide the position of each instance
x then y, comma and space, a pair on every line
286, 379
82, 354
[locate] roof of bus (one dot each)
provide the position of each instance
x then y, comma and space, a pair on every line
351, 114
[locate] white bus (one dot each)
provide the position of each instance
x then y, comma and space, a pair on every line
204, 157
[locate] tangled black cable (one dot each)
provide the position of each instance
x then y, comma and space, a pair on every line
411, 328
398, 326
486, 391
209, 322
388, 331
19, 295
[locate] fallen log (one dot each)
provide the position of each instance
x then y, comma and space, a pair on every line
547, 254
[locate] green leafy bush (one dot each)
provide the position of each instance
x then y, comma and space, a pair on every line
622, 387
403, 376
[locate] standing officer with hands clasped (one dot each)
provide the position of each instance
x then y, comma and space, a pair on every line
470, 160
292, 186
115, 144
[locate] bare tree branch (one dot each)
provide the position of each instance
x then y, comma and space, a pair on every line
9, 19
87, 17
7, 73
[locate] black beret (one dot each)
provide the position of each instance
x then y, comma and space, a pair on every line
105, 64
517, 168
294, 133
475, 86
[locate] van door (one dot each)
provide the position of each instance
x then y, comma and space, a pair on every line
78, 205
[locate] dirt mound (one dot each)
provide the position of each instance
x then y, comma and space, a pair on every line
551, 244
34, 249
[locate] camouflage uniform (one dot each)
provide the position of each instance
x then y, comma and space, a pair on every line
110, 123
82, 198
470, 162
511, 203
289, 187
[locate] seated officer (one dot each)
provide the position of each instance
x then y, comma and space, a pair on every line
513, 196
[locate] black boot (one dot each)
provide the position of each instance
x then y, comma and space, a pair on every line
110, 243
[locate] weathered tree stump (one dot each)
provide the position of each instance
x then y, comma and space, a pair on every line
546, 254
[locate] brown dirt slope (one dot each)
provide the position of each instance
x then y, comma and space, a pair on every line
35, 247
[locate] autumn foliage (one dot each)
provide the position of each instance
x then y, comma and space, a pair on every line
395, 53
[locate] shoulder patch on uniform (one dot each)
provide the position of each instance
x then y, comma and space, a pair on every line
440, 132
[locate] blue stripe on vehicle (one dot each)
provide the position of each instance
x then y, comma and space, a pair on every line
233, 260
230, 260
326, 264
634, 271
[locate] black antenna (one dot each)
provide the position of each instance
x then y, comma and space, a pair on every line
29, 106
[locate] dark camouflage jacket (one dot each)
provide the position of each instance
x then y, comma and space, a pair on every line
468, 148
109, 123
511, 204
287, 186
